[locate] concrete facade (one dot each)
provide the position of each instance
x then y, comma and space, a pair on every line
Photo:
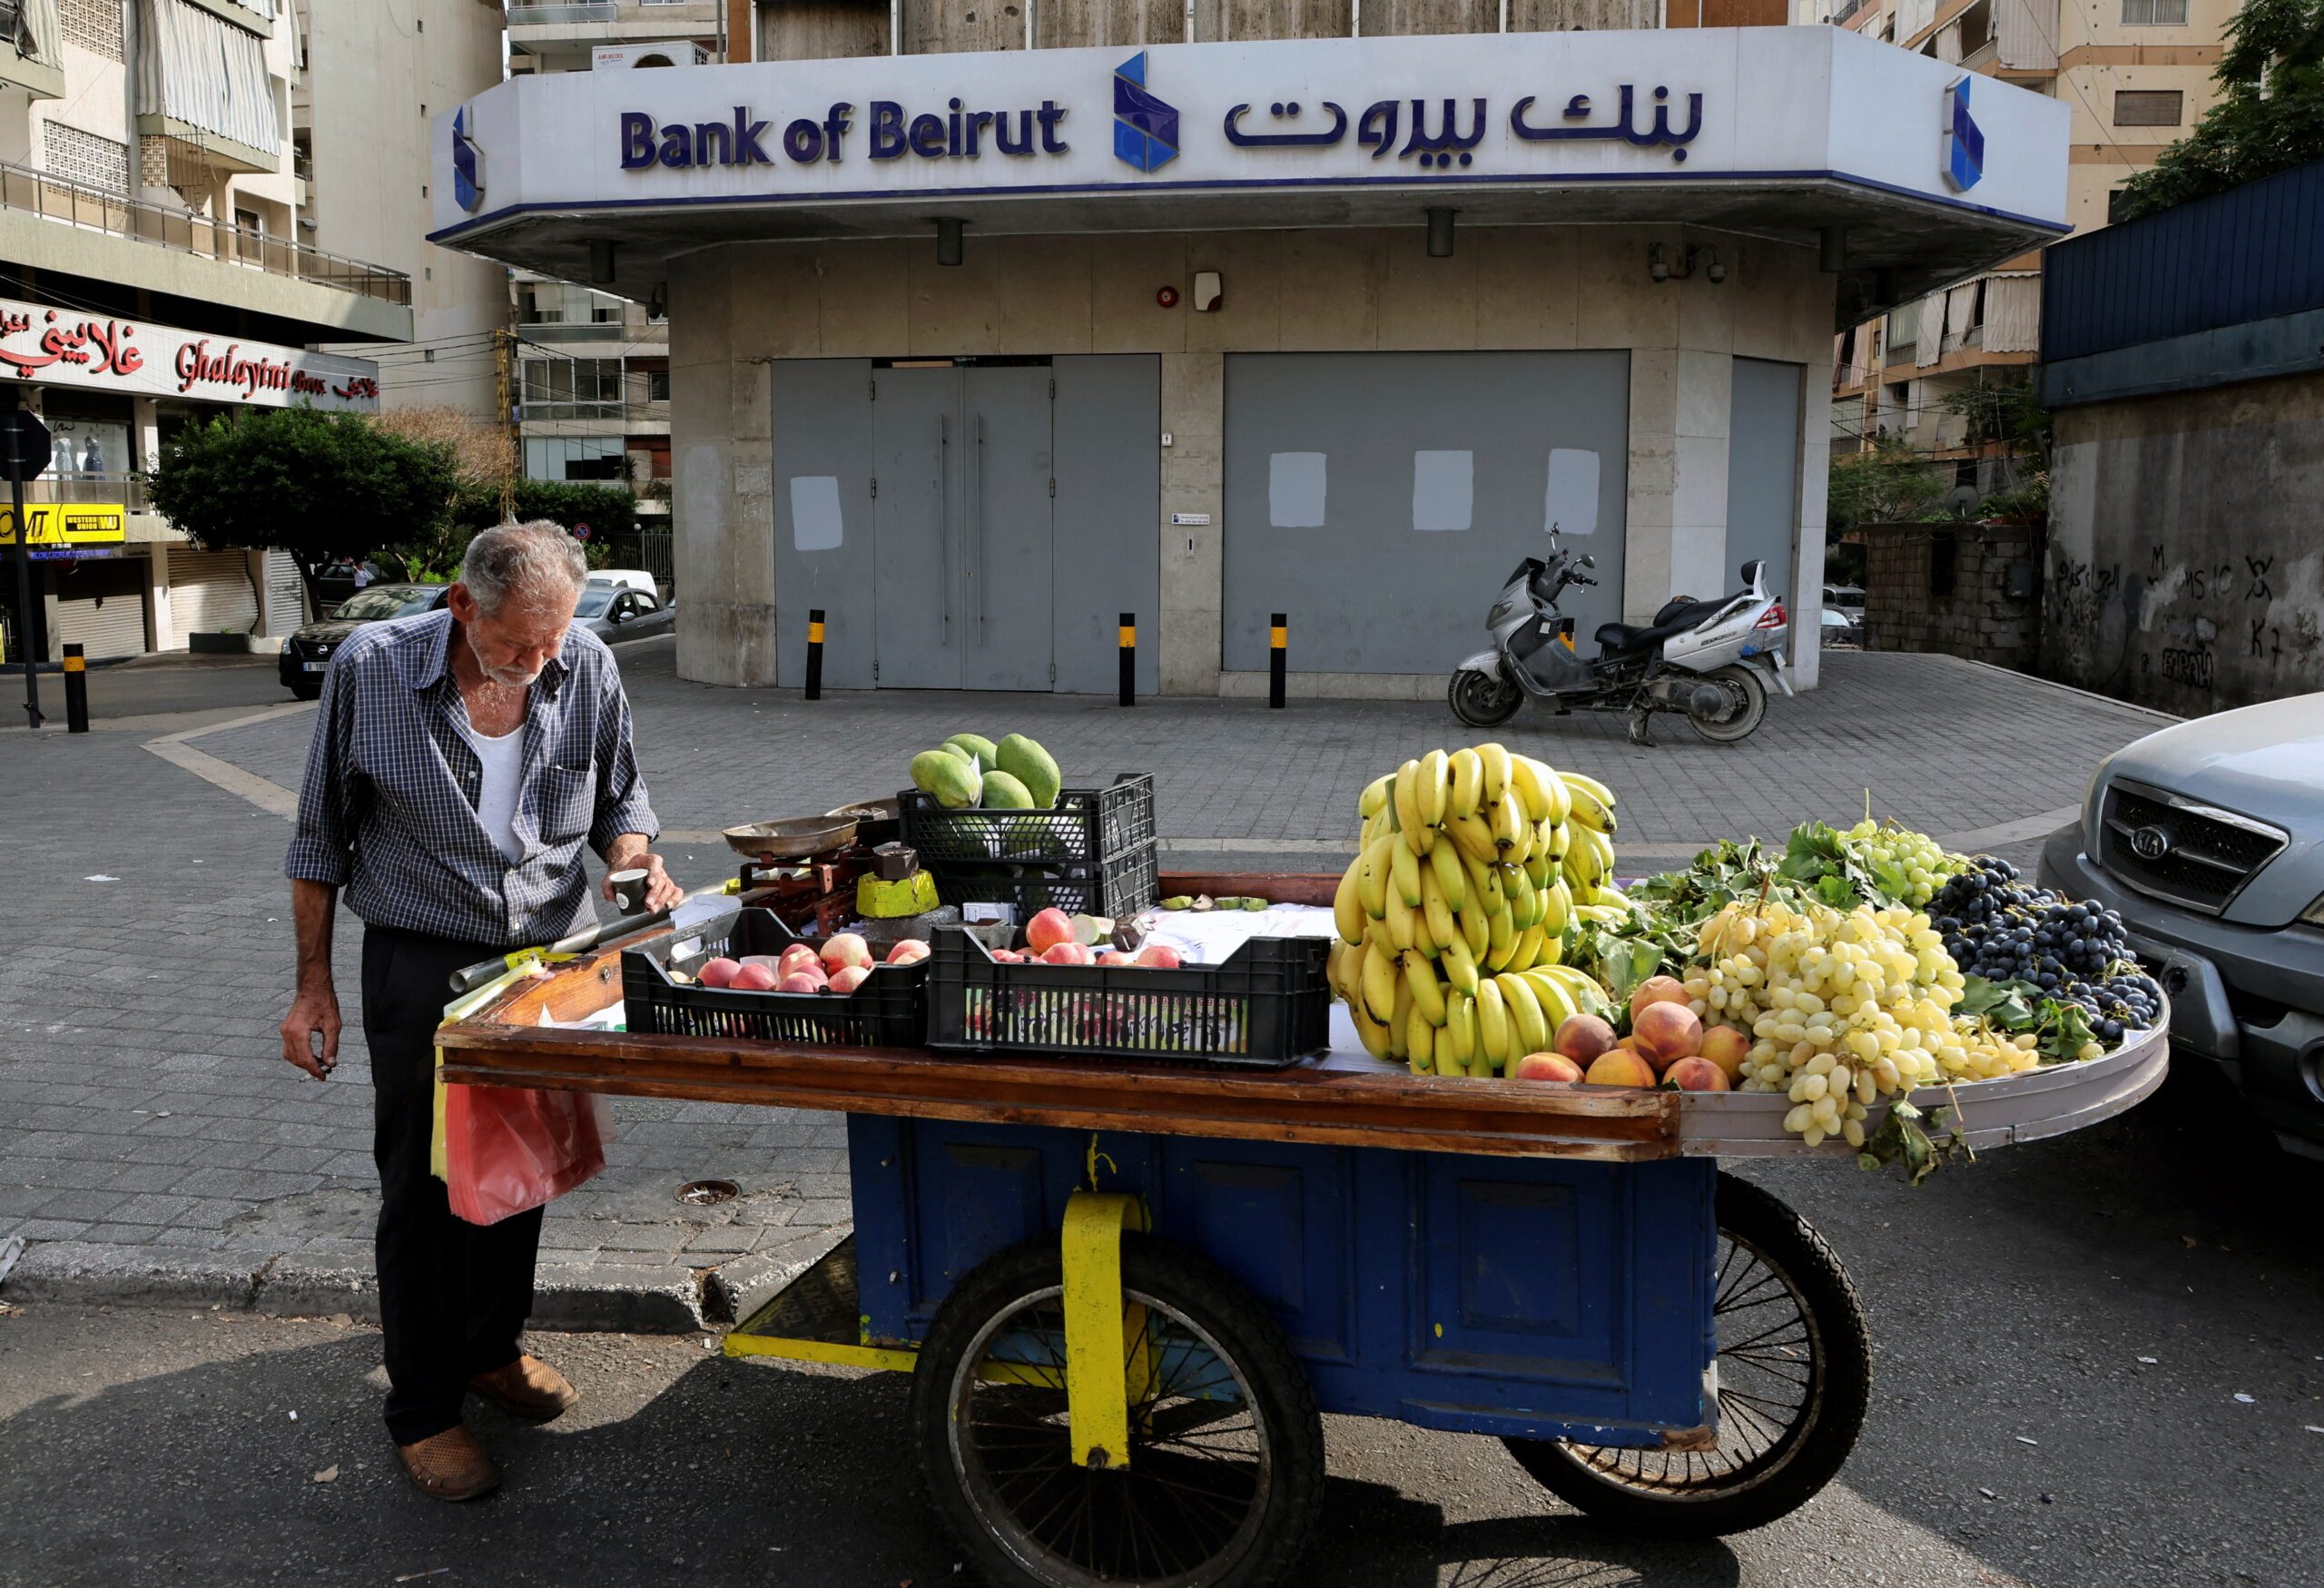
2184, 567
736, 308
1965, 589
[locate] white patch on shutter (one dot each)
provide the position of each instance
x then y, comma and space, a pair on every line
1444, 490
1296, 490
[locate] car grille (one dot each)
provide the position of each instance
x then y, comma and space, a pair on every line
2192, 854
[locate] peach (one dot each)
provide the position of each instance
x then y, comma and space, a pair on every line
799, 956
847, 948
1657, 989
800, 982
1063, 953
1115, 957
848, 978
999, 957
1159, 956
1616, 1067
753, 979
717, 973
1050, 928
1727, 1047
908, 950
1665, 1031
1547, 1067
1696, 1074
1583, 1037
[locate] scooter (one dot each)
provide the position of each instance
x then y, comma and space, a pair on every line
1715, 661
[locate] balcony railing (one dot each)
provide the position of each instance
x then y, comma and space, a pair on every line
126, 489
58, 198
570, 330
538, 13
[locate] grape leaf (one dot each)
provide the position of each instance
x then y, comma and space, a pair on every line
1904, 1138
2011, 1005
2065, 1031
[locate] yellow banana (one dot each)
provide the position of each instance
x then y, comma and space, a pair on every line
1375, 980
1372, 877
1555, 798
1528, 949
1592, 812
1432, 790
1493, 1024
1538, 866
1591, 786
1371, 1032
1336, 970
1374, 797
1437, 911
1460, 965
1403, 873
1399, 919
1400, 1021
1485, 891
1369, 834
1467, 770
1419, 1043
1557, 1003
1504, 942
1496, 771
1557, 907
1407, 803
1552, 949
1507, 824
1445, 860
1347, 907
1529, 1027
1458, 1044
1476, 928
1586, 993
1473, 836
1428, 992
1524, 900
1558, 839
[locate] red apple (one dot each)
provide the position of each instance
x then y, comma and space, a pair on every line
753, 979
1050, 928
848, 978
717, 973
1546, 1066
1159, 956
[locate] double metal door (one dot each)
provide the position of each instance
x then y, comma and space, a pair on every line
963, 458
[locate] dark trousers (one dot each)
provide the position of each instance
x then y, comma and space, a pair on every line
453, 1296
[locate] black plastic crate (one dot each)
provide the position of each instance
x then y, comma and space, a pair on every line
1266, 1006
1086, 824
889, 1010
1115, 888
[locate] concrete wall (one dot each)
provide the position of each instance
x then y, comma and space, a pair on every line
735, 307
2185, 568
1979, 619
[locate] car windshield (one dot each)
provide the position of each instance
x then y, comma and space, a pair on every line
396, 601
595, 600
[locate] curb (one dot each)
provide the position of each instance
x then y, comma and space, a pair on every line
657, 1299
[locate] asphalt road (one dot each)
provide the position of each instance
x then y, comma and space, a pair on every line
2019, 1432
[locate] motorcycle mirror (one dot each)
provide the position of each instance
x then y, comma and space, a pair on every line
1589, 562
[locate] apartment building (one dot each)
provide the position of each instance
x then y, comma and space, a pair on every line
154, 270
593, 371
2136, 76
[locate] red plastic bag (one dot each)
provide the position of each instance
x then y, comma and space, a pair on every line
509, 1149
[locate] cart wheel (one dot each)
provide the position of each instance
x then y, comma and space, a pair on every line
1794, 1375
1227, 1452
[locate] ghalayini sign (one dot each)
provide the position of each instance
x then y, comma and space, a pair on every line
70, 346
1435, 115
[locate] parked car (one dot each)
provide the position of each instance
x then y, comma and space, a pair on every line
628, 579
2209, 838
342, 577
307, 653
618, 612
1843, 628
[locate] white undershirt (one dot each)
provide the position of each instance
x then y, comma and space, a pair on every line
496, 802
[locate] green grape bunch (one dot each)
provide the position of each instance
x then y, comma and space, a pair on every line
1909, 867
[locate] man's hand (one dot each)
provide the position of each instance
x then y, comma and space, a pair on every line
314, 1011
628, 853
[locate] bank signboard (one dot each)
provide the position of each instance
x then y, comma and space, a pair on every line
1447, 113
67, 524
50, 346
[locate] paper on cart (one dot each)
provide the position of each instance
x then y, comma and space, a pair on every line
1208, 936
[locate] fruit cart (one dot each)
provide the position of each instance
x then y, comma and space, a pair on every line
1125, 1292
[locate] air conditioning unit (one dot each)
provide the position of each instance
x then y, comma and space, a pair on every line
674, 53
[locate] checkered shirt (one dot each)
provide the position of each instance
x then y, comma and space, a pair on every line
388, 809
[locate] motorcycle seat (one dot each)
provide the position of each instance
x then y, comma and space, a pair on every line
1679, 616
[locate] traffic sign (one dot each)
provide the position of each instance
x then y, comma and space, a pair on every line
24, 443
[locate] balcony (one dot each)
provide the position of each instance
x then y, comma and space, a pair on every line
73, 204
570, 330
542, 13
126, 489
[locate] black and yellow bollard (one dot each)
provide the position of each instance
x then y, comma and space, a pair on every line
76, 690
1128, 637
1278, 642
815, 653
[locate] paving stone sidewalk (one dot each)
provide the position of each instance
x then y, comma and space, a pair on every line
152, 1141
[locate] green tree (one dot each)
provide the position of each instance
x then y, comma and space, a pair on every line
2270, 115
600, 514
1887, 485
2007, 411
318, 486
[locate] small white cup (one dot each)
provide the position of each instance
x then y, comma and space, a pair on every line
629, 889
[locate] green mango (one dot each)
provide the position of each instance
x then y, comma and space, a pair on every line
1004, 792
977, 746
1031, 766
951, 779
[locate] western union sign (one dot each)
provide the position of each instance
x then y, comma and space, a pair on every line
69, 522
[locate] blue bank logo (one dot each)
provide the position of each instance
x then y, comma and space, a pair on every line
1964, 141
467, 164
1146, 131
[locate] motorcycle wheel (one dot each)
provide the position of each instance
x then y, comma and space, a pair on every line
1747, 703
1483, 700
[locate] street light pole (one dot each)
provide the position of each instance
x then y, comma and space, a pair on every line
26, 442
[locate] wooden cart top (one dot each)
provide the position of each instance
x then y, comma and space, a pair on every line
503, 1044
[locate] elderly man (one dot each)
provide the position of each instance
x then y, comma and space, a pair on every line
461, 759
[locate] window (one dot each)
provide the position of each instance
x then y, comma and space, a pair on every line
2154, 12
2115, 201
95, 26
84, 157
570, 389
658, 386
2148, 107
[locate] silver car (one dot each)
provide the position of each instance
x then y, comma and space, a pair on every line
2209, 839
615, 613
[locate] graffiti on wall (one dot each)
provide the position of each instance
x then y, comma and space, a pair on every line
2241, 624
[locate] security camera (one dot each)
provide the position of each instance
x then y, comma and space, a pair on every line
1716, 272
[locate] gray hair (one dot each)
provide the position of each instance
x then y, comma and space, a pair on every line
510, 558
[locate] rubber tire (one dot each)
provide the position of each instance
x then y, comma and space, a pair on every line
1199, 1288
1755, 705
307, 691
1816, 1448
1482, 719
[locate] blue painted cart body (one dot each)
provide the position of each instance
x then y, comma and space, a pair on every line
1535, 1297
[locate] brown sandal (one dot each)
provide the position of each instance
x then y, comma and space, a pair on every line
450, 1466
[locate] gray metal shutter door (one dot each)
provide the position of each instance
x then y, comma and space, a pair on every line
823, 542
1762, 482
1106, 560
210, 591
286, 593
1381, 499
111, 627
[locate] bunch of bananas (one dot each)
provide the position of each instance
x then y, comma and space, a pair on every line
1454, 920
